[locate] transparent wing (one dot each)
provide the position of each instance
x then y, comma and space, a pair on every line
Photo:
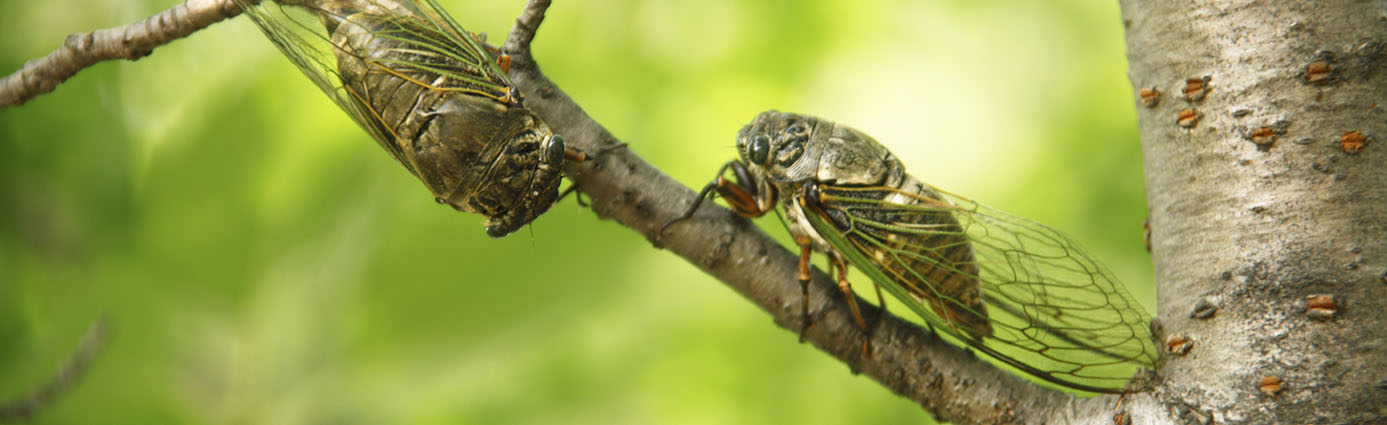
1015, 289
414, 42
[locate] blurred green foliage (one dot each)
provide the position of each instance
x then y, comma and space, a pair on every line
262, 261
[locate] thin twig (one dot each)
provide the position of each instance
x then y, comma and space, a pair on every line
946, 380
27, 406
130, 42
525, 27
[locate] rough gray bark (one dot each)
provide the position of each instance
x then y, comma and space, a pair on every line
1267, 185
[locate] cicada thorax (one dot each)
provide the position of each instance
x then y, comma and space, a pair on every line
470, 140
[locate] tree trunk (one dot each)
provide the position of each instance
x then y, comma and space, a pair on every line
1261, 124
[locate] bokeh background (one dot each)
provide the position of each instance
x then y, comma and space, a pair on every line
260, 260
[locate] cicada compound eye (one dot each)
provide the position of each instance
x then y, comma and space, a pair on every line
759, 149
554, 149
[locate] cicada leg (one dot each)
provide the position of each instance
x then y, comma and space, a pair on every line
574, 155
806, 249
502, 59
846, 288
577, 156
810, 200
741, 194
841, 266
572, 188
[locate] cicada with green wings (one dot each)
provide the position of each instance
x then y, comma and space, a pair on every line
1009, 287
429, 93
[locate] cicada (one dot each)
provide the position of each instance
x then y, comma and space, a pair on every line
1006, 286
430, 94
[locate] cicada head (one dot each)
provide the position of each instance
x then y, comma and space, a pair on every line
526, 175
775, 145
488, 158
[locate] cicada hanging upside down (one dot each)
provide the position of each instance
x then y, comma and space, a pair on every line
1006, 286
431, 95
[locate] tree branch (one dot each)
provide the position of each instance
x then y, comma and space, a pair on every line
948, 381
27, 406
130, 42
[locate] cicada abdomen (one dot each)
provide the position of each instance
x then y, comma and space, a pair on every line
429, 94
1015, 289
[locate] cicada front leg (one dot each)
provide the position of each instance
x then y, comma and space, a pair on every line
575, 155
742, 194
